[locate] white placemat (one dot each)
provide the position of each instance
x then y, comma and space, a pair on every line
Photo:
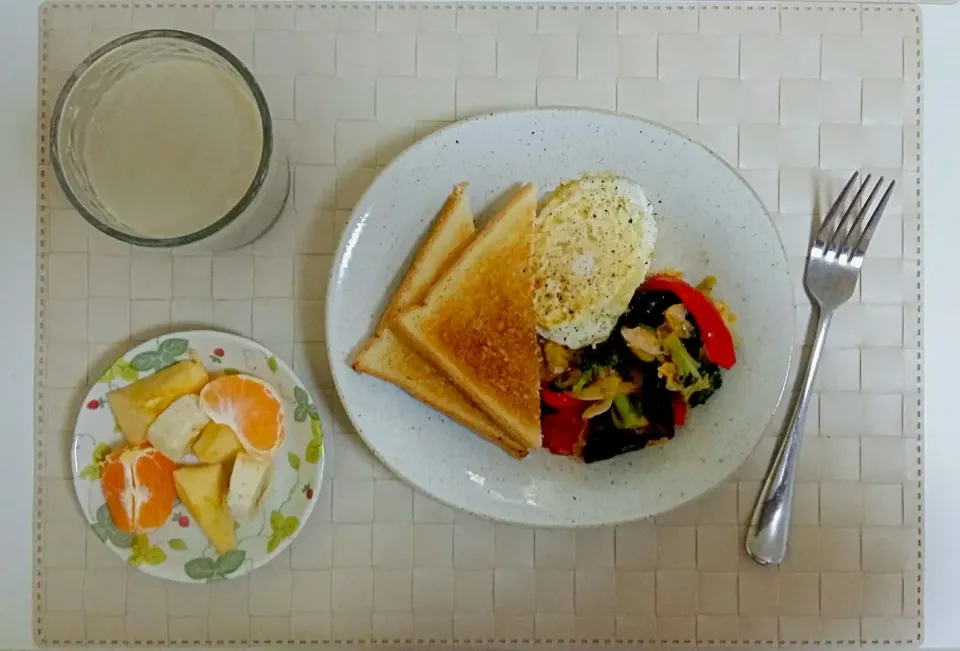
795, 95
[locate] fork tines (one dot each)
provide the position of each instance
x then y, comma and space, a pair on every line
847, 236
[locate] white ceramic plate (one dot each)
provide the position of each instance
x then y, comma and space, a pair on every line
179, 550
710, 222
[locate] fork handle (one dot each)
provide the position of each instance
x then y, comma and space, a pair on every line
766, 540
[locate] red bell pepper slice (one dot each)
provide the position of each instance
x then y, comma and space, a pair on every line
558, 399
679, 409
717, 340
562, 430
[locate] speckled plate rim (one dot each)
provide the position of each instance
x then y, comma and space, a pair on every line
170, 552
348, 240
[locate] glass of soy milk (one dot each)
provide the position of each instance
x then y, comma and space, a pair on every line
163, 139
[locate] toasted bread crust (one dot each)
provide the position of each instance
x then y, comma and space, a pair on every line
449, 235
478, 324
389, 358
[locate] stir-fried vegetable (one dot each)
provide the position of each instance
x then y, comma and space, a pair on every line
556, 359
562, 430
597, 408
679, 406
655, 401
717, 340
626, 415
600, 361
558, 400
687, 367
642, 342
635, 388
607, 386
714, 380
606, 440
675, 318
568, 380
647, 308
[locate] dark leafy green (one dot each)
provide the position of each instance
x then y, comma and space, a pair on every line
714, 376
606, 440
646, 309
656, 401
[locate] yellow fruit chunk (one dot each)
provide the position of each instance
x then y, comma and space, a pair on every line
250, 483
177, 427
137, 405
217, 443
202, 490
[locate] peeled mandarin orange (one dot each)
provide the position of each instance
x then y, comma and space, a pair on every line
137, 484
250, 407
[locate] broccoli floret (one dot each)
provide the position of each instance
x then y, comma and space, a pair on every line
687, 366
712, 374
605, 358
585, 379
608, 355
626, 414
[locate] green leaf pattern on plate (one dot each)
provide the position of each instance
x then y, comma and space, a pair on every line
143, 552
91, 471
231, 561
168, 548
120, 369
101, 452
166, 354
281, 527
210, 569
304, 406
173, 347
201, 568
312, 453
304, 409
106, 530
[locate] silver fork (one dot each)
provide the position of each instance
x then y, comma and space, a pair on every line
833, 267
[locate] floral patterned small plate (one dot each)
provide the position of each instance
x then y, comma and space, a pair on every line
179, 550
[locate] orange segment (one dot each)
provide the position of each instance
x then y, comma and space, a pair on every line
154, 472
113, 482
250, 407
138, 487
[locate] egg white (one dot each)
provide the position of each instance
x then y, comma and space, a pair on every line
593, 244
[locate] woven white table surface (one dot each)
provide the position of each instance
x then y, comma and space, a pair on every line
795, 95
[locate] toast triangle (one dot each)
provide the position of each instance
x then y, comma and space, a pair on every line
477, 323
451, 232
390, 358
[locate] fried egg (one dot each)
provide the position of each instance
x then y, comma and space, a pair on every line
593, 244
